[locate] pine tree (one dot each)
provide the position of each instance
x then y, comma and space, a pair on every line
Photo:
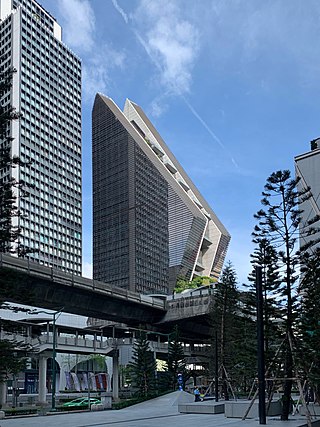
176, 360
244, 368
12, 352
309, 319
225, 311
266, 257
143, 366
9, 186
279, 223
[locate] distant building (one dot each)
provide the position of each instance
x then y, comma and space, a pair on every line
47, 91
308, 170
150, 223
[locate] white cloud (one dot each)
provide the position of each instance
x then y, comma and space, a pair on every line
96, 69
170, 40
79, 23
87, 270
81, 34
121, 11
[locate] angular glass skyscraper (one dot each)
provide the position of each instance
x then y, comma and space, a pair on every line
150, 223
47, 91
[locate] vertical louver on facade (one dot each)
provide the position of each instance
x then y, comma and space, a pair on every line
151, 225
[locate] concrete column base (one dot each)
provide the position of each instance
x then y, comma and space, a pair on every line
115, 376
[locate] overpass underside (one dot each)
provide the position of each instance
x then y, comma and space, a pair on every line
28, 283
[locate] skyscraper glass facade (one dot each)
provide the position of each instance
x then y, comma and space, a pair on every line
150, 224
130, 225
47, 92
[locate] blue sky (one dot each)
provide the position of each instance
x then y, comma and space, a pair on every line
231, 85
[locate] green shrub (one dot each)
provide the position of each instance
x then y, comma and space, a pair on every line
20, 411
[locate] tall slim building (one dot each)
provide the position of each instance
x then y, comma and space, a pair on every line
307, 167
150, 223
47, 92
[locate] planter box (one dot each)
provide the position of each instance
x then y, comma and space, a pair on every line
206, 407
237, 409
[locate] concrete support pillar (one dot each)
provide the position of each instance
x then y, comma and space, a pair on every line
42, 379
115, 376
3, 393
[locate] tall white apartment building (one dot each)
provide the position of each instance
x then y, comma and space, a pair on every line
307, 167
46, 90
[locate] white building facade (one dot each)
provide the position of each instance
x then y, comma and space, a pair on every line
46, 90
307, 167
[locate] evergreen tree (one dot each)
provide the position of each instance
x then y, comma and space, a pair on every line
309, 319
279, 223
266, 257
10, 188
244, 369
225, 311
143, 366
176, 360
12, 352
8, 234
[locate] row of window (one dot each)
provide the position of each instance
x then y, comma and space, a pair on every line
54, 247
51, 159
52, 261
34, 29
63, 231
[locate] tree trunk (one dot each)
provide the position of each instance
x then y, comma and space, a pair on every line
286, 399
288, 368
3, 393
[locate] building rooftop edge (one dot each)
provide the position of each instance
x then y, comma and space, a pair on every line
307, 154
181, 170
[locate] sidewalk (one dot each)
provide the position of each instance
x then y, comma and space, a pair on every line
158, 412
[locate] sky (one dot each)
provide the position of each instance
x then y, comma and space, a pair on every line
231, 86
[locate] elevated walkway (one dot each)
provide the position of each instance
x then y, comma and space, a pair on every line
74, 345
25, 282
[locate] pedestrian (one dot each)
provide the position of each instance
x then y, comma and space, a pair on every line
196, 393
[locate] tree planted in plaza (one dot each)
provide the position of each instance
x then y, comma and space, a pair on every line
279, 222
176, 360
266, 256
224, 314
143, 366
309, 320
12, 352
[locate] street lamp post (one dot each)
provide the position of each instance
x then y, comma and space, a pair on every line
53, 386
260, 339
55, 316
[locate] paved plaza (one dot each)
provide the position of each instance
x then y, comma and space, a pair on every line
158, 412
